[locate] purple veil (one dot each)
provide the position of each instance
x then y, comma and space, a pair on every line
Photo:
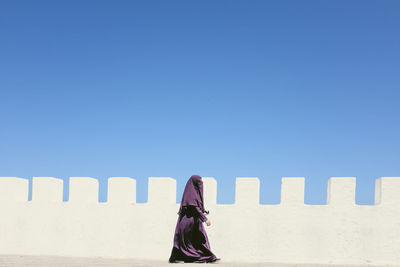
193, 194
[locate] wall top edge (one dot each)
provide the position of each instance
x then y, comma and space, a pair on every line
171, 178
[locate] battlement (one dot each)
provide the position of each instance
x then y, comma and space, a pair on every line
340, 232
340, 190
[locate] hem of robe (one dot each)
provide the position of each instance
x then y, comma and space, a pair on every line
176, 255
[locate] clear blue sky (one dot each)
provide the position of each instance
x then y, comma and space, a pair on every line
216, 88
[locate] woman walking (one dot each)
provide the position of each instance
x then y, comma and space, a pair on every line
190, 239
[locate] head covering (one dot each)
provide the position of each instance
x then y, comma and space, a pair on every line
193, 194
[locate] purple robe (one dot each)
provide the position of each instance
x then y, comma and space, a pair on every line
190, 240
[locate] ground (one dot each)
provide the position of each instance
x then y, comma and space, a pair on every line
55, 261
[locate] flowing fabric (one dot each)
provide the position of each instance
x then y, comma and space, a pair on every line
190, 240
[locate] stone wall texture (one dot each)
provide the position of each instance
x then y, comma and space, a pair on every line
340, 232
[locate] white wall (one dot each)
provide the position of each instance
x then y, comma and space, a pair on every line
339, 232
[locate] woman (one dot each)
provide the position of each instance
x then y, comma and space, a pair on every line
190, 240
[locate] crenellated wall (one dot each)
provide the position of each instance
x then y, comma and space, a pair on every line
340, 232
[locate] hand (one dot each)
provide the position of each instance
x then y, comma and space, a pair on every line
208, 222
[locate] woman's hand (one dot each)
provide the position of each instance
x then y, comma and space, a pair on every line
208, 222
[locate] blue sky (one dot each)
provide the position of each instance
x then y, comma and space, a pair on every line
226, 89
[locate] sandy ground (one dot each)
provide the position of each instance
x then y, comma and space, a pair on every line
55, 261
